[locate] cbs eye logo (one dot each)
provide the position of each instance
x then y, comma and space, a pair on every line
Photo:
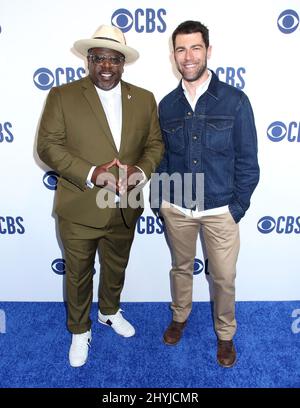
288, 21
200, 266
43, 79
50, 180
276, 131
59, 266
266, 225
122, 19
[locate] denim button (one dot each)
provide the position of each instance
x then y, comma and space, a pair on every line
195, 137
195, 161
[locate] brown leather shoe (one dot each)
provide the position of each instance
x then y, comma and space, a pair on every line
173, 333
226, 355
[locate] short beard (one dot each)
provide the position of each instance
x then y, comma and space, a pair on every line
198, 75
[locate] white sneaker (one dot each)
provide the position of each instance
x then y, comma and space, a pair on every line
118, 323
79, 349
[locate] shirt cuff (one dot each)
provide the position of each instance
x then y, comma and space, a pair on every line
89, 178
144, 181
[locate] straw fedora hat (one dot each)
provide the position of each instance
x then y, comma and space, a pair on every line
107, 37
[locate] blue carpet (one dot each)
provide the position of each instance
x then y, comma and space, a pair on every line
34, 349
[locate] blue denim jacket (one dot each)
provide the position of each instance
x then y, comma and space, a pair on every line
218, 139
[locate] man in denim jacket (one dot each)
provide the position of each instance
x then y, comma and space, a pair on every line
208, 128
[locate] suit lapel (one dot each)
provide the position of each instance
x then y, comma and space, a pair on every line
93, 99
127, 114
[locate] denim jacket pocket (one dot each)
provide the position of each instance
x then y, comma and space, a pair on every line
218, 133
175, 136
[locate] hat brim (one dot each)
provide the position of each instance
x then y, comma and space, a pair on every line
82, 46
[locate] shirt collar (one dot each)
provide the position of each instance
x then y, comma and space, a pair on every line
201, 88
112, 92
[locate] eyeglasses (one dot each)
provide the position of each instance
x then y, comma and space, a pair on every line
99, 59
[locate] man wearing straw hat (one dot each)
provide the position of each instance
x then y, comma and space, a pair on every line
90, 131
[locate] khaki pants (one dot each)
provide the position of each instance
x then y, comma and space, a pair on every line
80, 246
221, 236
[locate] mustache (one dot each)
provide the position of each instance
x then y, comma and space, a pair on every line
105, 71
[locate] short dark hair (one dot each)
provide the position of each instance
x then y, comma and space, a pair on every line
190, 27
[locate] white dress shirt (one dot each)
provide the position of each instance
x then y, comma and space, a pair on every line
112, 104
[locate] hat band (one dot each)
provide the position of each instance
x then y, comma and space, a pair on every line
106, 38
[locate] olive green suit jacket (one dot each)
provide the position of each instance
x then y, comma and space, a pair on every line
74, 135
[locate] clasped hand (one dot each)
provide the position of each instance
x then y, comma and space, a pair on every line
129, 177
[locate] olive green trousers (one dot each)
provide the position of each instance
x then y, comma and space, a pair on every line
80, 247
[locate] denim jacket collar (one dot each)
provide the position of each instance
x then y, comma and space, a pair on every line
212, 89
